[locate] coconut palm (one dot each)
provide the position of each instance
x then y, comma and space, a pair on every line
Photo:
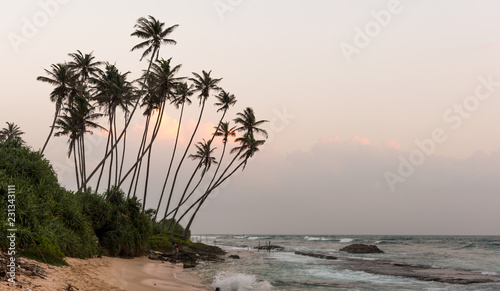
204, 85
84, 65
154, 33
63, 78
164, 82
11, 132
181, 97
76, 121
204, 155
248, 123
112, 91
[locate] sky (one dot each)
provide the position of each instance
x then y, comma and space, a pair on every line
383, 115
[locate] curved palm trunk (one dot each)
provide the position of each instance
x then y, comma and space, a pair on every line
58, 109
123, 152
153, 137
188, 226
113, 146
171, 162
76, 165
182, 198
124, 129
180, 164
103, 165
84, 167
141, 147
117, 158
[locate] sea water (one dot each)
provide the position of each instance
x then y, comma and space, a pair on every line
284, 270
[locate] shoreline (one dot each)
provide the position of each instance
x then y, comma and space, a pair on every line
109, 273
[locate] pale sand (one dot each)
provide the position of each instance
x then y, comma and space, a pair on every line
113, 274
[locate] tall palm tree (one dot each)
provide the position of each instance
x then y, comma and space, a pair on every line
11, 132
164, 82
204, 85
76, 121
112, 91
181, 97
204, 155
63, 78
152, 30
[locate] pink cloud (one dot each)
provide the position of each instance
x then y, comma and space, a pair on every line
391, 144
359, 140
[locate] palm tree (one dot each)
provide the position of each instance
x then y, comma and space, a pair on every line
204, 155
181, 97
248, 123
164, 83
152, 30
76, 122
203, 84
11, 132
63, 78
112, 91
84, 65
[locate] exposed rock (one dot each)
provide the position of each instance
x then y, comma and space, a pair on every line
316, 255
361, 249
191, 255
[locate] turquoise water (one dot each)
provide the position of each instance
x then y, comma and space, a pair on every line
287, 271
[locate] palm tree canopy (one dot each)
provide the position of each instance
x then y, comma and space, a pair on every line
154, 33
248, 122
112, 89
225, 131
204, 154
11, 132
84, 65
64, 80
204, 84
224, 100
162, 79
182, 93
77, 120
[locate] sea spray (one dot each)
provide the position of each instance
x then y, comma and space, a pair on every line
229, 281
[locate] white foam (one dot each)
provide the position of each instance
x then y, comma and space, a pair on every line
377, 242
257, 237
240, 236
346, 240
492, 274
228, 281
312, 238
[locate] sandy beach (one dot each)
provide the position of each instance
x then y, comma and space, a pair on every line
108, 273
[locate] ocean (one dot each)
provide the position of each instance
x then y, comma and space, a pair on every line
467, 256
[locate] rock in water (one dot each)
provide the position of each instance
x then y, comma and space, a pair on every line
361, 249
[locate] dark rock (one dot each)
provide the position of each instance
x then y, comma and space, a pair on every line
233, 256
189, 264
361, 249
316, 255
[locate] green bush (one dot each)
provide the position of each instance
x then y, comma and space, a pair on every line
49, 219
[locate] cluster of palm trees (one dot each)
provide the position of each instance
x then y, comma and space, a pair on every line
86, 91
